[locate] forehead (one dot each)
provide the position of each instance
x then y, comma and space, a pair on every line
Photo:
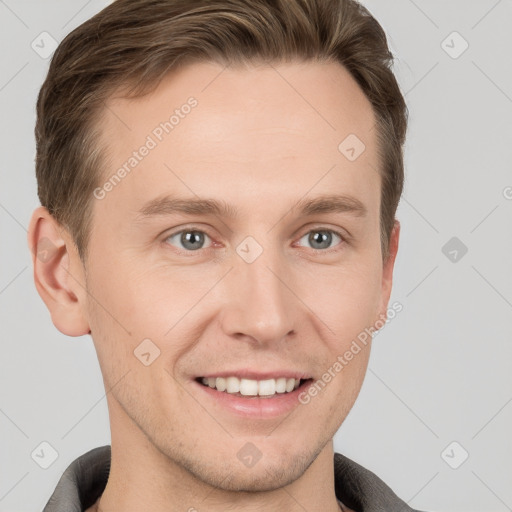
269, 129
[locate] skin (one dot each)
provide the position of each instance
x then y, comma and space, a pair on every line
261, 145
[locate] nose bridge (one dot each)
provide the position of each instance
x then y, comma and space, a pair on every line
262, 304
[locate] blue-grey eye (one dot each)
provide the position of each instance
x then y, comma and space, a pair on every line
189, 239
321, 238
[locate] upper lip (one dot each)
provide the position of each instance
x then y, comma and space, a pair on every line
247, 373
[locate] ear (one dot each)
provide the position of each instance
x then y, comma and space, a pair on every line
59, 274
387, 271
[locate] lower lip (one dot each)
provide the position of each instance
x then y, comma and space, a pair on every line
255, 406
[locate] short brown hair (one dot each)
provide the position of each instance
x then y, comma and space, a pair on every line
133, 44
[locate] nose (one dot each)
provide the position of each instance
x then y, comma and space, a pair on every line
260, 306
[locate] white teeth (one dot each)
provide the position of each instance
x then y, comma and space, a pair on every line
232, 385
267, 387
280, 385
250, 387
220, 384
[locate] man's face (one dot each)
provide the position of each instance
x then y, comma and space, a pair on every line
267, 294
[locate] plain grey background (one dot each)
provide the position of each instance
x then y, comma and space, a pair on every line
434, 416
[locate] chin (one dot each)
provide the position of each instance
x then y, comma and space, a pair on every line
265, 475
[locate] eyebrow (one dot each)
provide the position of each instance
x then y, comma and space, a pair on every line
169, 205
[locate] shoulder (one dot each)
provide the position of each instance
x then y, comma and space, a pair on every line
82, 482
362, 490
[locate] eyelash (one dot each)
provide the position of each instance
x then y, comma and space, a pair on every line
315, 230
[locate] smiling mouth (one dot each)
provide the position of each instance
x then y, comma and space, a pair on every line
266, 388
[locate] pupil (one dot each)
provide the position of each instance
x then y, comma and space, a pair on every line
191, 237
323, 237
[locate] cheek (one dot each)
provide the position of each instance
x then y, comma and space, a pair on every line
134, 311
348, 301
129, 298
117, 308
349, 307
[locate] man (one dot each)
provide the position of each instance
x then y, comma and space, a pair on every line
269, 136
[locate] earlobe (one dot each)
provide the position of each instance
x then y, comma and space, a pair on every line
58, 273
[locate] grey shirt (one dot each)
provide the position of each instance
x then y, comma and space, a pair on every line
84, 480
